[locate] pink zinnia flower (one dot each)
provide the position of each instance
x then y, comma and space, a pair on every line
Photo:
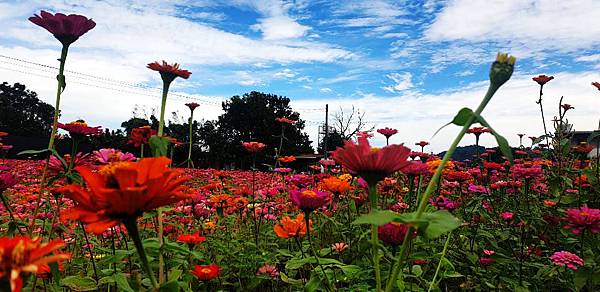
526, 171
7, 180
269, 270
506, 216
65, 28
485, 261
373, 164
565, 258
339, 247
583, 219
416, 168
108, 155
253, 147
309, 200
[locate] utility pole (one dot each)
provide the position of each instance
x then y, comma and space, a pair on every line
325, 154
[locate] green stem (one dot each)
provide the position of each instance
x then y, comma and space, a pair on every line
433, 183
132, 228
60, 77
314, 252
437, 270
191, 141
163, 106
374, 237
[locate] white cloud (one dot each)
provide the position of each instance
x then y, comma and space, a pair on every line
589, 58
285, 73
402, 81
395, 35
326, 90
529, 26
512, 110
248, 79
279, 28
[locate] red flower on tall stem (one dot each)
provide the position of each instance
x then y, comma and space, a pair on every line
372, 164
20, 255
192, 105
80, 128
387, 132
65, 28
253, 147
141, 135
309, 200
169, 72
123, 191
542, 79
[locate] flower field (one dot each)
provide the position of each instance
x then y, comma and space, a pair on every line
358, 218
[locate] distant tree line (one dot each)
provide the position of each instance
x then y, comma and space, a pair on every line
217, 143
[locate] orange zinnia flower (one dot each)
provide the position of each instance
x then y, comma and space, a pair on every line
191, 238
287, 159
335, 185
121, 191
25, 255
289, 227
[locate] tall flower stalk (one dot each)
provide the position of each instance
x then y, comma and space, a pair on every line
192, 106
542, 80
500, 72
168, 73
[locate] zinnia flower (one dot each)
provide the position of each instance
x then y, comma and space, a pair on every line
287, 159
387, 132
191, 238
596, 84
80, 128
206, 273
339, 246
565, 258
289, 228
123, 191
542, 79
583, 219
25, 255
372, 164
392, 233
253, 147
140, 136
269, 270
168, 72
285, 121
7, 180
192, 105
108, 155
309, 200
65, 28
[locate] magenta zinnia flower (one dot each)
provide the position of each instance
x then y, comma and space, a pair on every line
372, 164
65, 28
108, 155
583, 219
7, 180
309, 200
565, 258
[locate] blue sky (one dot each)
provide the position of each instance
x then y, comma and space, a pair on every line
406, 64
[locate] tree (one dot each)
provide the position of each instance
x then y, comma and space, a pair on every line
251, 117
22, 113
347, 125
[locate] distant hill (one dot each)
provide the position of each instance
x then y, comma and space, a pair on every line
465, 152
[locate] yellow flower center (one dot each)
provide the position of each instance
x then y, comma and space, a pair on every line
206, 270
311, 194
109, 169
584, 214
375, 149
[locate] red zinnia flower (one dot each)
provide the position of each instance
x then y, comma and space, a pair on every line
285, 121
309, 200
542, 79
253, 147
387, 132
192, 105
123, 190
25, 255
287, 159
206, 273
478, 130
191, 238
66, 28
141, 135
422, 143
169, 72
80, 128
372, 164
392, 233
7, 180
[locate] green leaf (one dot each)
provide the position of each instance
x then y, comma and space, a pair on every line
77, 283
296, 263
289, 280
313, 284
175, 274
439, 223
159, 145
377, 217
122, 283
32, 152
170, 286
462, 117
